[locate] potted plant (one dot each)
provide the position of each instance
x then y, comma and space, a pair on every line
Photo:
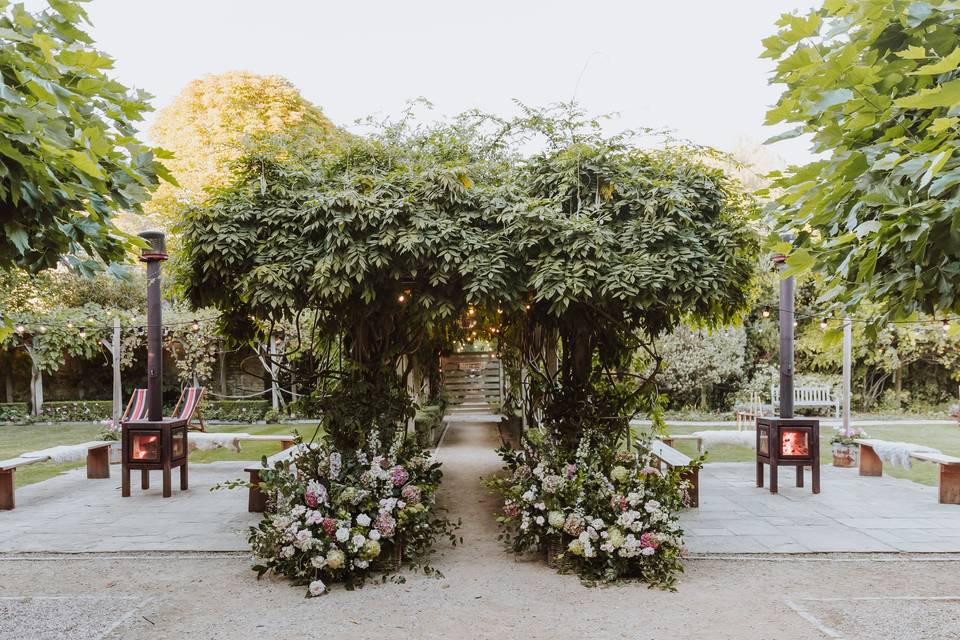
846, 453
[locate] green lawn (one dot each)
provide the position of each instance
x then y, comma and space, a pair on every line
18, 439
943, 437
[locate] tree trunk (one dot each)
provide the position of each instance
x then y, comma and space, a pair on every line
9, 387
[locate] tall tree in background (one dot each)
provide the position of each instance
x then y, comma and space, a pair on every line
876, 83
209, 124
69, 156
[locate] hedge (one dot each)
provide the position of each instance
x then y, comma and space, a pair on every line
97, 410
13, 411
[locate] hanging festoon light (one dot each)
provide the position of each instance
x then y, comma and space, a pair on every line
765, 313
946, 325
83, 332
823, 324
401, 298
195, 326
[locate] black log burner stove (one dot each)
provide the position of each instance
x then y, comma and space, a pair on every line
785, 440
156, 443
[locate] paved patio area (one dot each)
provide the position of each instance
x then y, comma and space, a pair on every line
851, 514
69, 513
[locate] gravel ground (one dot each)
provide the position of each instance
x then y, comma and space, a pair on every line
485, 594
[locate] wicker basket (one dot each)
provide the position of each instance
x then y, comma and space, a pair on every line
553, 549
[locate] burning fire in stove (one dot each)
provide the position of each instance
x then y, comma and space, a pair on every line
794, 443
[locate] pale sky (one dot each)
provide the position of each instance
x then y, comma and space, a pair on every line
689, 65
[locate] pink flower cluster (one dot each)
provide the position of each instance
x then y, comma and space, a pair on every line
329, 526
385, 524
511, 509
649, 540
411, 494
399, 476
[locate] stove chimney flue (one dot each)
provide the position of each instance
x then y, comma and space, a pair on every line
153, 254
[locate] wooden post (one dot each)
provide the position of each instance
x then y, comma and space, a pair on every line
222, 357
7, 501
8, 383
256, 500
98, 462
274, 391
870, 462
117, 388
847, 350
949, 484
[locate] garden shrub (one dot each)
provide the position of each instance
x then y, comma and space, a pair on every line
13, 411
235, 410
76, 411
427, 424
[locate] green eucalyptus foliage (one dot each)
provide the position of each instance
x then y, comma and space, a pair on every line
69, 155
876, 83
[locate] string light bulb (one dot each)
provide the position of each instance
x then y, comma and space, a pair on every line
195, 326
946, 325
794, 323
401, 298
83, 332
43, 329
823, 324
765, 313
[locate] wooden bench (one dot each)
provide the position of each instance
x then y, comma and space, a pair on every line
98, 466
256, 499
819, 396
676, 460
872, 465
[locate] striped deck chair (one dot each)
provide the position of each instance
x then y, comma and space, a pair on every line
188, 406
136, 407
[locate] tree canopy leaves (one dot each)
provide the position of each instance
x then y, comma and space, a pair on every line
876, 85
69, 155
209, 124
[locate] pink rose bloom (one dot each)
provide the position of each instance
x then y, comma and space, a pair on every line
411, 493
620, 502
385, 524
511, 510
315, 494
399, 476
649, 540
329, 526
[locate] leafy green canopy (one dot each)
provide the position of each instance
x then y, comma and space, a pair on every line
876, 83
69, 156
384, 235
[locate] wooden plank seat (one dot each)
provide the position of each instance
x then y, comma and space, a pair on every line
815, 396
872, 465
256, 499
677, 460
98, 466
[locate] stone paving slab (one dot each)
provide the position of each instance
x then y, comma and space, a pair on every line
71, 514
851, 514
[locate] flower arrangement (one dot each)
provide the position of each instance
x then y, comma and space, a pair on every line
615, 515
342, 517
847, 436
109, 430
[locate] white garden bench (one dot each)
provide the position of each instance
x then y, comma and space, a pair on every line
872, 465
815, 397
256, 499
676, 460
98, 466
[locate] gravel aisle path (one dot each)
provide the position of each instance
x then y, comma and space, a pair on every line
486, 593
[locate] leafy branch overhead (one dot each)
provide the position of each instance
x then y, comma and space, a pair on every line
69, 155
876, 85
